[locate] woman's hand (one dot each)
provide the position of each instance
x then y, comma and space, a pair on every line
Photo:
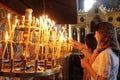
77, 45
84, 63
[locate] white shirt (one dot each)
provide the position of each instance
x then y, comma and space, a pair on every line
106, 64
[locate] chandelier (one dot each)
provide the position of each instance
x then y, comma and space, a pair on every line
32, 45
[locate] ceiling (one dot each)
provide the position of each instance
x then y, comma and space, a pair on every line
61, 11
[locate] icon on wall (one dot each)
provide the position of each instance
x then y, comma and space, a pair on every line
82, 19
118, 19
110, 19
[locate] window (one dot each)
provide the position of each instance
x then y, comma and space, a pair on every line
88, 4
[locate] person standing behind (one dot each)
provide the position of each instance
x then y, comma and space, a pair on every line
105, 63
91, 44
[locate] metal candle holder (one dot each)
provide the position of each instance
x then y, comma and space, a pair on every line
47, 44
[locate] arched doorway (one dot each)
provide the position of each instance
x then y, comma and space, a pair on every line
74, 34
82, 35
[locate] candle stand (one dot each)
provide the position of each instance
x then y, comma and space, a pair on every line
19, 59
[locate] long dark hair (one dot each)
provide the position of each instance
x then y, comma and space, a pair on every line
108, 36
91, 41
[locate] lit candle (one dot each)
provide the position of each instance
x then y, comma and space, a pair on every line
16, 21
54, 40
37, 23
46, 36
53, 44
10, 34
60, 44
6, 36
42, 42
6, 43
59, 49
46, 44
9, 24
11, 39
38, 43
42, 36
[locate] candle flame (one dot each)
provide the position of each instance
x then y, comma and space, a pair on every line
41, 20
61, 36
37, 21
16, 21
52, 23
9, 16
53, 36
46, 17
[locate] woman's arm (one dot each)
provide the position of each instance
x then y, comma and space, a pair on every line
88, 67
77, 45
81, 47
